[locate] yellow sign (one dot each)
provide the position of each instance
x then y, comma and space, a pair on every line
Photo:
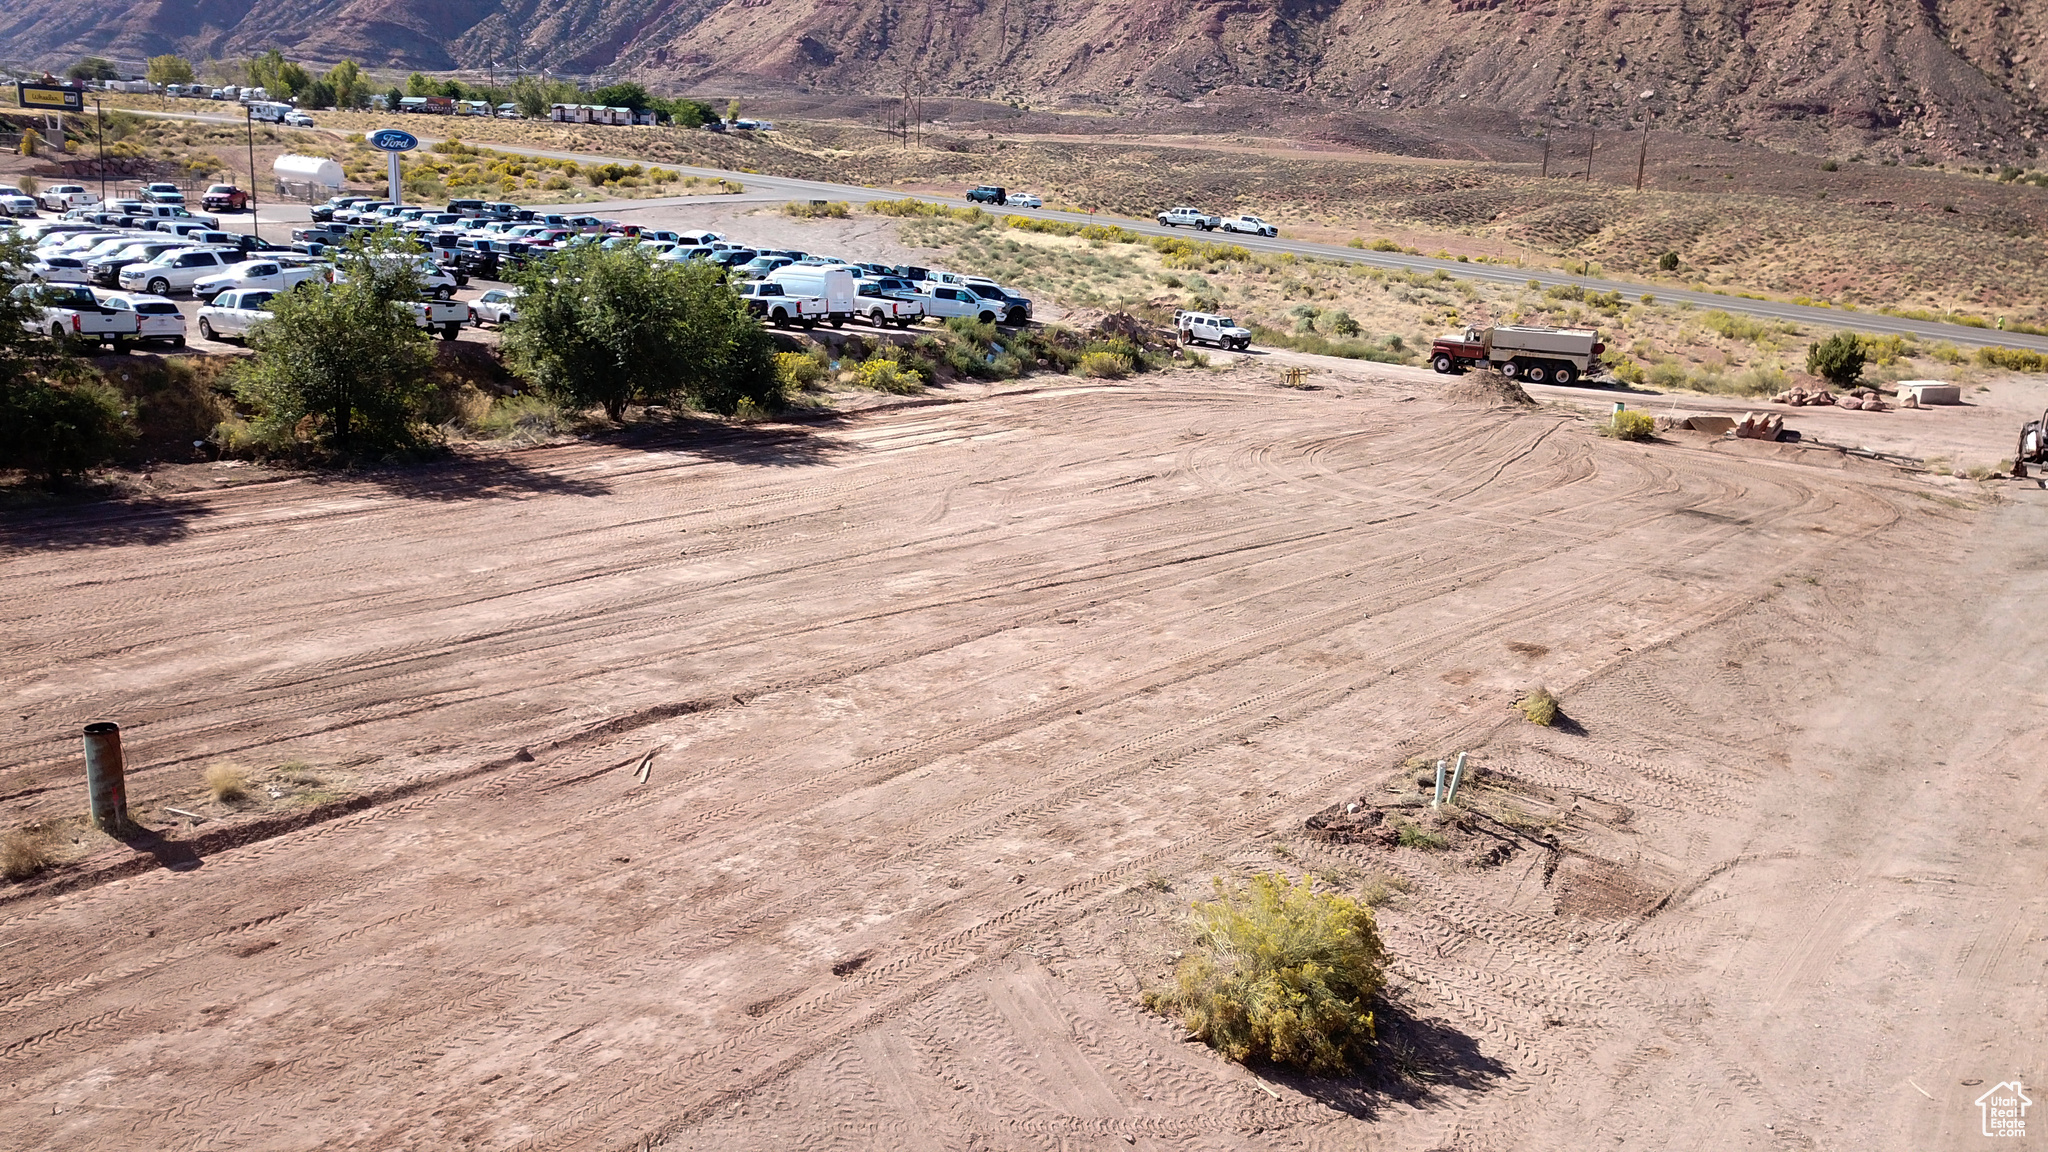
50, 96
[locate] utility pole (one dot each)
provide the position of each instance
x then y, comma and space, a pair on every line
1546, 155
99, 125
1592, 141
1643, 153
255, 227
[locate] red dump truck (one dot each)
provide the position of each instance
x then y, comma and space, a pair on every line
1520, 352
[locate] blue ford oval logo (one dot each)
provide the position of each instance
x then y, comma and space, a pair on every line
393, 140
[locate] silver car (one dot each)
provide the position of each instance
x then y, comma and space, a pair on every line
157, 320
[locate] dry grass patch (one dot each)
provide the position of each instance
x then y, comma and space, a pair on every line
226, 783
26, 851
1538, 707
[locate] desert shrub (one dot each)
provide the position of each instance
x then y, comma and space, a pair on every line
529, 419
1837, 359
1745, 328
1416, 836
801, 369
57, 428
887, 376
913, 207
1668, 262
806, 210
1884, 350
1667, 374
1280, 973
27, 185
1338, 322
227, 783
26, 851
1105, 365
2014, 359
1628, 424
1538, 707
1761, 380
1627, 370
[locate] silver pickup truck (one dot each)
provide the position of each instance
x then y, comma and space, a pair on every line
71, 312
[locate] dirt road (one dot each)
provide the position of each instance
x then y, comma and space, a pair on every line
951, 709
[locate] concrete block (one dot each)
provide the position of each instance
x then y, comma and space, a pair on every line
1714, 424
1930, 392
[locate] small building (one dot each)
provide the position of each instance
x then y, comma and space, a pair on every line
412, 103
644, 116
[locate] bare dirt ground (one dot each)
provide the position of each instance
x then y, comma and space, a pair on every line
952, 708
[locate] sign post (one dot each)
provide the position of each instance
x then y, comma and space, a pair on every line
392, 142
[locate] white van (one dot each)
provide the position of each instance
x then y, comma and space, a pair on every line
834, 284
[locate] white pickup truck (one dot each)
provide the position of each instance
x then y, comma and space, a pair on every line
1186, 217
1222, 331
71, 312
777, 305
944, 301
890, 301
256, 274
446, 316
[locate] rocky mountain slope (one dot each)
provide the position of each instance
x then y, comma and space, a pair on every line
1941, 78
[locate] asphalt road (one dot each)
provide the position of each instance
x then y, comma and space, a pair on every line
790, 188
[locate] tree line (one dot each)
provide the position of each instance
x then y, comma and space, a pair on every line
346, 85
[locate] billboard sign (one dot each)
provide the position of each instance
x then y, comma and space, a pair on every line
49, 97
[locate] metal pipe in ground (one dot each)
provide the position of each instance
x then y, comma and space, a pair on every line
105, 778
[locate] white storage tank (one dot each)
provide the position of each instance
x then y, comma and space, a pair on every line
290, 169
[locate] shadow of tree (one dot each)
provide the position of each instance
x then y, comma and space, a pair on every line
94, 521
466, 478
1415, 1061
780, 446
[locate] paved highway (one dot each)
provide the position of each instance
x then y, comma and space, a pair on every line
790, 188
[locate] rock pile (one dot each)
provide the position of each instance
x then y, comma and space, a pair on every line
1856, 400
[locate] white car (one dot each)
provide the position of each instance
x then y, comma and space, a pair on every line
298, 119
498, 306
944, 301
1250, 224
1024, 200
64, 197
60, 270
175, 270
17, 204
233, 314
157, 320
258, 273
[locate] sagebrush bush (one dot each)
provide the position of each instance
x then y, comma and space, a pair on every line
528, 418
1280, 973
831, 210
2014, 359
1628, 424
1105, 365
801, 369
887, 376
1538, 707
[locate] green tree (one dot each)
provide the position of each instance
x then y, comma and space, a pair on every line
93, 68
418, 85
732, 109
350, 86
392, 98
169, 69
57, 419
532, 97
690, 113
345, 362
1280, 973
1837, 359
632, 96
606, 328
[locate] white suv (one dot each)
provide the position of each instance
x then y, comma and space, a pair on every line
1222, 331
176, 270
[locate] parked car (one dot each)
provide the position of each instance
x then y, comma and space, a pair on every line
1026, 200
72, 312
176, 270
1222, 331
1013, 309
64, 197
163, 192
231, 315
1250, 224
772, 303
881, 307
498, 306
761, 266
298, 119
157, 320
987, 194
1182, 216
257, 274
17, 204
944, 301
225, 198
106, 270
59, 270
446, 316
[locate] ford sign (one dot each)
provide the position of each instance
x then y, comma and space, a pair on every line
393, 140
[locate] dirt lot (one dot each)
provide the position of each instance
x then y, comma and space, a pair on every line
952, 708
